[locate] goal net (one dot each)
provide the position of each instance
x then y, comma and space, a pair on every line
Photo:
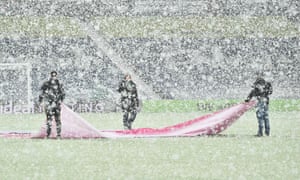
15, 88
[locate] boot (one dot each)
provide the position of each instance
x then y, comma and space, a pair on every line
129, 125
267, 133
259, 133
48, 133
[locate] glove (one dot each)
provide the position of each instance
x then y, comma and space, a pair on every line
40, 101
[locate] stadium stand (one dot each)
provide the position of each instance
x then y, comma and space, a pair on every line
176, 64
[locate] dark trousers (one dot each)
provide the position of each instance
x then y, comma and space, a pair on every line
53, 113
262, 115
128, 118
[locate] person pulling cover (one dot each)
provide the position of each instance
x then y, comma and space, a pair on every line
261, 90
52, 95
129, 100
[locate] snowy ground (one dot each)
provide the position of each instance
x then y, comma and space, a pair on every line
235, 154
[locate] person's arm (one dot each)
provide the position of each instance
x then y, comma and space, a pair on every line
43, 90
62, 92
251, 94
41, 97
269, 88
131, 86
137, 98
121, 86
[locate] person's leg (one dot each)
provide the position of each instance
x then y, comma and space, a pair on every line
132, 116
260, 119
49, 123
58, 122
266, 121
49, 114
125, 108
125, 119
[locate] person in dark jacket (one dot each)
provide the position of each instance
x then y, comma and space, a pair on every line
129, 100
52, 94
261, 90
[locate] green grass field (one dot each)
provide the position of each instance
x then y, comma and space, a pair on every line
234, 154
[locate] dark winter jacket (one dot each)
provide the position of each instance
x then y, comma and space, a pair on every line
52, 92
261, 90
129, 95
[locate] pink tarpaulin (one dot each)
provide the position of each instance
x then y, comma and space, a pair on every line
74, 126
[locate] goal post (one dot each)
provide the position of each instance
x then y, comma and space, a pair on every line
15, 87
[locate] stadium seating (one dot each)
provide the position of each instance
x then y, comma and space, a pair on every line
181, 67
